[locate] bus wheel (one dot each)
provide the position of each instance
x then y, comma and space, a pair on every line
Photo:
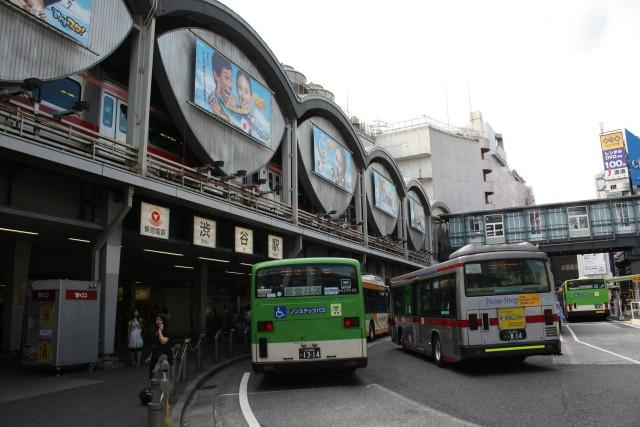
372, 332
436, 351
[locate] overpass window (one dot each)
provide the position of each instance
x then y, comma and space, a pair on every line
578, 219
494, 225
62, 93
535, 223
473, 223
622, 213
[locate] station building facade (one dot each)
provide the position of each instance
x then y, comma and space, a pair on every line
160, 149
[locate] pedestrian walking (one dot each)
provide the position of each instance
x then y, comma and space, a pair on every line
161, 343
134, 338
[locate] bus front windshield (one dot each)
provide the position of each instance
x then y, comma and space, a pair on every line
301, 280
573, 285
506, 276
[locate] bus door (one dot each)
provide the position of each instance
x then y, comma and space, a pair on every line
113, 118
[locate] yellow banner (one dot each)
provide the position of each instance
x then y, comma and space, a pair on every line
511, 318
610, 141
528, 300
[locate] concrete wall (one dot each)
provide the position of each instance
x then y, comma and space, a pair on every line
31, 48
326, 194
457, 174
214, 138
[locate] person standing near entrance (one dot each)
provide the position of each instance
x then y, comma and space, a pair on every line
161, 343
134, 340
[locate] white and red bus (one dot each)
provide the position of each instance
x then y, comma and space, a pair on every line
486, 301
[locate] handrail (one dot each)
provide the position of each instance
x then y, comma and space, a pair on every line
19, 119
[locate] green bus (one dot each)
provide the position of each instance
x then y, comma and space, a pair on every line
307, 313
584, 297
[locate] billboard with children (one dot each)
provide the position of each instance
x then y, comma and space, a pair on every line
416, 215
71, 17
385, 195
331, 160
227, 91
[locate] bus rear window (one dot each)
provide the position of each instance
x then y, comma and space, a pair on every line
507, 276
306, 280
573, 285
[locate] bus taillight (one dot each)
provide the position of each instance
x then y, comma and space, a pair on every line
548, 317
265, 326
606, 306
351, 322
473, 321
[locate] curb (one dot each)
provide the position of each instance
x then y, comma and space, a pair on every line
185, 398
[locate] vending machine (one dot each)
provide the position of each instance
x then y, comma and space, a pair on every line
63, 321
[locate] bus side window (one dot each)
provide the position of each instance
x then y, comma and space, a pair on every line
398, 306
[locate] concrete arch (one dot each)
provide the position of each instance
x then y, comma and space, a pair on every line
413, 184
382, 156
439, 206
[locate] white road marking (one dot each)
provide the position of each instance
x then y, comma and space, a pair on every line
371, 344
247, 413
438, 417
627, 324
637, 362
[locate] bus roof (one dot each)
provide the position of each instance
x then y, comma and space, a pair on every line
471, 249
373, 279
297, 261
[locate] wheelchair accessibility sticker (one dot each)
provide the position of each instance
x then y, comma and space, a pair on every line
280, 311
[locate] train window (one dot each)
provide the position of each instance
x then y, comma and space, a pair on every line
122, 121
107, 112
62, 93
165, 136
277, 184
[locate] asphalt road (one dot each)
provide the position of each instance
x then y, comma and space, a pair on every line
596, 382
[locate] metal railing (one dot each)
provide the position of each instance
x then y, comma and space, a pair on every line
26, 121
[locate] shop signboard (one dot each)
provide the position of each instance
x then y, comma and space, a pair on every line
154, 221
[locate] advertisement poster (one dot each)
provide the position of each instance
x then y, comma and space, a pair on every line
72, 17
224, 89
385, 196
416, 215
633, 146
331, 160
614, 159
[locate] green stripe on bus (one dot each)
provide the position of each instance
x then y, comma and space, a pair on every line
524, 347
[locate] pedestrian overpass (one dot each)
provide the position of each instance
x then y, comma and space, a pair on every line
589, 226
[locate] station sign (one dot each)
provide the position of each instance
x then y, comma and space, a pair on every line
244, 240
154, 221
275, 247
204, 232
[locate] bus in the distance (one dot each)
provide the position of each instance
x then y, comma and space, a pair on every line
584, 297
376, 305
486, 301
307, 313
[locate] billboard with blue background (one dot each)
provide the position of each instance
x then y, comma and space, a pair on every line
225, 90
331, 160
385, 195
633, 149
72, 17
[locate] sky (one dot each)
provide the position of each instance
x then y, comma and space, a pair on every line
545, 74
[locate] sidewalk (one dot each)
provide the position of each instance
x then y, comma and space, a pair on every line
81, 398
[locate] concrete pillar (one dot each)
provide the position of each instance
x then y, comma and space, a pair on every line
365, 208
402, 235
358, 201
294, 171
199, 298
16, 294
140, 66
109, 274
285, 191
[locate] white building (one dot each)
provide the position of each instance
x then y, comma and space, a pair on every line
461, 168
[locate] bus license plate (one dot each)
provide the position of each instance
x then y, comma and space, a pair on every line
513, 334
309, 353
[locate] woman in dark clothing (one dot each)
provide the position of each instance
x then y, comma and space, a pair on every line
161, 343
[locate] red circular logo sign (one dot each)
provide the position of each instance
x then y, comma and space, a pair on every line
155, 218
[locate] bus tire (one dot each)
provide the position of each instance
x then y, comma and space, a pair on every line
372, 332
436, 351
